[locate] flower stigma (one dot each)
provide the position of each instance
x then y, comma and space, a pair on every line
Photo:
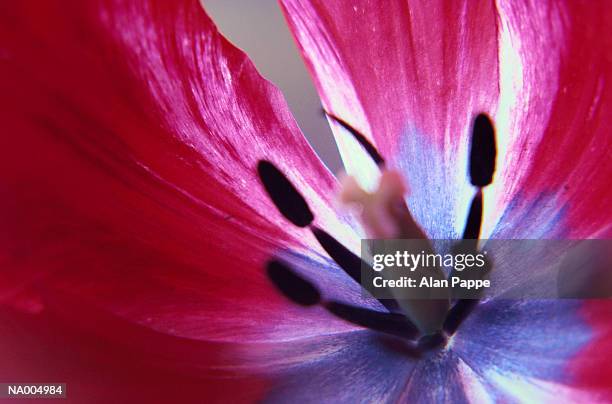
385, 215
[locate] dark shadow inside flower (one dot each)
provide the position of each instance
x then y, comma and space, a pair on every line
399, 346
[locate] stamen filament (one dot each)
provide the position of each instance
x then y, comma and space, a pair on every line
363, 141
349, 262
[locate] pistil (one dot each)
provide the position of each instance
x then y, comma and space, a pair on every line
385, 215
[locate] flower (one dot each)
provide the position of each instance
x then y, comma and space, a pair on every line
136, 229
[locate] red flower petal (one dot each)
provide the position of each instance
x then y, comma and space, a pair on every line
125, 364
592, 364
128, 170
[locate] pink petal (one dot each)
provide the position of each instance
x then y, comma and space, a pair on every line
386, 65
132, 132
556, 111
412, 75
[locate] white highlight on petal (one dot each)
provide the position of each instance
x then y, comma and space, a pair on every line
531, 390
357, 162
331, 74
475, 390
527, 81
510, 83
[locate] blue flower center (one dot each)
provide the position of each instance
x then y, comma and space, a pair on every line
394, 321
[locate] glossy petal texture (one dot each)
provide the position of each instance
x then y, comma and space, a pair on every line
413, 74
131, 206
129, 164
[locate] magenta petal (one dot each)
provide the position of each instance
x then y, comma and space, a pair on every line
384, 66
592, 365
131, 135
554, 121
411, 76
